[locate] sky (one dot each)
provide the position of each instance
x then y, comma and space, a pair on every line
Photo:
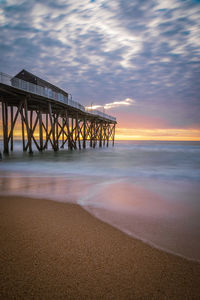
138, 60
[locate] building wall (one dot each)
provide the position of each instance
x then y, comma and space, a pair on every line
26, 76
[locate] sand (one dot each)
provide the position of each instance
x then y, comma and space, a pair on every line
51, 250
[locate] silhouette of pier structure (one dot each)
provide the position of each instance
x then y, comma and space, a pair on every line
49, 116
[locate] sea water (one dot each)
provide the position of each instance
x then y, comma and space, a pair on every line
148, 189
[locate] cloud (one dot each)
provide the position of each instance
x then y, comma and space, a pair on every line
106, 50
114, 104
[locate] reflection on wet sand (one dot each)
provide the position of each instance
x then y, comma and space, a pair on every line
65, 189
154, 217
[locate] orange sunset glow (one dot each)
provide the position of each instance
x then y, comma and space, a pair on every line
137, 134
158, 134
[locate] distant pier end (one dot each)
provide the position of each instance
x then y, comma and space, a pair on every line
49, 116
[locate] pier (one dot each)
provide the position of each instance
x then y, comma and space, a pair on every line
49, 117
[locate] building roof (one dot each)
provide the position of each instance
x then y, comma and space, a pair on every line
40, 80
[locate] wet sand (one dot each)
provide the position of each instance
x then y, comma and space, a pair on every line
51, 250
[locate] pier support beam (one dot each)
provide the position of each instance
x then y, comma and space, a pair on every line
94, 135
5, 127
47, 130
113, 135
100, 136
53, 124
56, 131
31, 127
22, 122
11, 124
40, 130
27, 127
104, 134
91, 133
84, 133
73, 141
78, 131
63, 133
107, 134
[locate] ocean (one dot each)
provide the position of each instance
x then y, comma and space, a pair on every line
148, 189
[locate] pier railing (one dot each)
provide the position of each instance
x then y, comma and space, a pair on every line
99, 113
48, 93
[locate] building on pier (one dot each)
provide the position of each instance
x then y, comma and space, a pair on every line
49, 89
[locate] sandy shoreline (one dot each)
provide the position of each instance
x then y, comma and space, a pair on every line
51, 250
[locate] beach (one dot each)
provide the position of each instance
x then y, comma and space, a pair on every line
52, 250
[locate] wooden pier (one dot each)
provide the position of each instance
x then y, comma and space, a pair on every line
49, 117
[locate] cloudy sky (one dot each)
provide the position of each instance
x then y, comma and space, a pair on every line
140, 60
